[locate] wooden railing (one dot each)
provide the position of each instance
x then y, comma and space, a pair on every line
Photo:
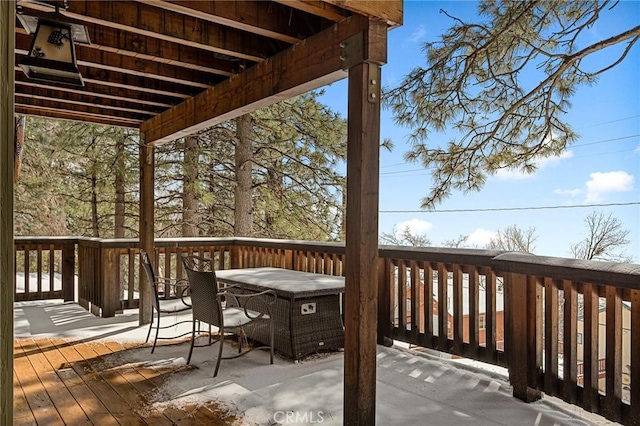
44, 268
540, 317
417, 284
550, 301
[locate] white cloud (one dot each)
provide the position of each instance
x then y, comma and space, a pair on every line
418, 34
415, 226
605, 182
541, 163
480, 237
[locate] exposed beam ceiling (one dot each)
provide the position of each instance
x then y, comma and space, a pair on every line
152, 59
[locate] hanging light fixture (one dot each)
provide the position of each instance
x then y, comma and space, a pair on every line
52, 56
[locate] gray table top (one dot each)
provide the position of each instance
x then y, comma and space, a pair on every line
285, 282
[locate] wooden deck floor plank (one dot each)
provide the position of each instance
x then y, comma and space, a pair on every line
182, 417
114, 402
213, 415
131, 419
88, 401
43, 409
189, 415
24, 421
129, 392
122, 404
123, 380
66, 404
139, 411
66, 382
21, 412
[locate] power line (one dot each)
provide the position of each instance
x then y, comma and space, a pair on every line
571, 146
605, 140
609, 122
504, 209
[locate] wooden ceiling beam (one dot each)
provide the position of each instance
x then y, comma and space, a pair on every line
99, 91
259, 17
150, 21
131, 82
134, 66
318, 8
155, 50
79, 110
389, 11
305, 66
84, 99
75, 116
125, 81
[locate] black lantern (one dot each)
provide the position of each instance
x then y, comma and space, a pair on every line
52, 56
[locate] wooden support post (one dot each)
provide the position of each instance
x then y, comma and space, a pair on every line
235, 253
68, 272
7, 274
147, 163
109, 285
361, 295
521, 348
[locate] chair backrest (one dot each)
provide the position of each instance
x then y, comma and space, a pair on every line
203, 285
151, 277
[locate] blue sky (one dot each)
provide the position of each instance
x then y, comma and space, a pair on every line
602, 167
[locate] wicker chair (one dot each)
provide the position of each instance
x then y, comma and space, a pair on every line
169, 296
225, 308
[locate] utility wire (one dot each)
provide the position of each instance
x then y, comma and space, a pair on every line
570, 146
580, 156
504, 209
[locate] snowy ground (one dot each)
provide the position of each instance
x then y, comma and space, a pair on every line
411, 389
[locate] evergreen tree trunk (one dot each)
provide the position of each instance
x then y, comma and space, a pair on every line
275, 184
94, 202
119, 218
189, 197
243, 223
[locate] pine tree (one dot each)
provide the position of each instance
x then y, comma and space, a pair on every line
503, 83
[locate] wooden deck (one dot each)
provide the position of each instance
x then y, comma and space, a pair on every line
60, 382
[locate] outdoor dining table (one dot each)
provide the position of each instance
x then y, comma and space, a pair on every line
306, 313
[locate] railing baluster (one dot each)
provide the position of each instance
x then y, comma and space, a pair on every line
570, 358
428, 301
385, 297
27, 285
613, 378
490, 300
51, 266
131, 258
474, 310
415, 299
401, 280
39, 270
551, 324
443, 309
536, 331
458, 309
590, 353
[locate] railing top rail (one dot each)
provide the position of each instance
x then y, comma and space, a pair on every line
44, 240
625, 275
474, 257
